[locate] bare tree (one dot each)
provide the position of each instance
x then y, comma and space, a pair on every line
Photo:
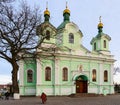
8, 1
18, 35
116, 70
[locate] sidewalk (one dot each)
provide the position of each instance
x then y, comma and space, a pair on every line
105, 100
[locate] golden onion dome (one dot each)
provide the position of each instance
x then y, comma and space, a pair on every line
100, 25
46, 12
66, 10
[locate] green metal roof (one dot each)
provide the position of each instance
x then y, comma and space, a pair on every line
62, 25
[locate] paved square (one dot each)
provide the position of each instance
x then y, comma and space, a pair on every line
103, 100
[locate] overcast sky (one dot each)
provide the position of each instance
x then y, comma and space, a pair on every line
84, 13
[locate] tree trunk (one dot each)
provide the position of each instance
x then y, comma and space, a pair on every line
15, 77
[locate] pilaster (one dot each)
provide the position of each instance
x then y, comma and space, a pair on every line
39, 72
21, 72
101, 74
57, 74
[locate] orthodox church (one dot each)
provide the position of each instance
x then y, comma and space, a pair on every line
63, 65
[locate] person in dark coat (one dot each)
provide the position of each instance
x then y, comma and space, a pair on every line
7, 95
43, 97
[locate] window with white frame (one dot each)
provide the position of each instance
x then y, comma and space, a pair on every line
104, 43
48, 74
65, 74
71, 38
105, 76
29, 76
94, 75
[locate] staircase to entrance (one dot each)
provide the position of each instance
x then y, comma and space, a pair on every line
85, 95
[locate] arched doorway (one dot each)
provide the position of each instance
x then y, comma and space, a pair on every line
81, 84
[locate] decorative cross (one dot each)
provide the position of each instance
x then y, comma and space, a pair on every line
47, 5
66, 4
100, 19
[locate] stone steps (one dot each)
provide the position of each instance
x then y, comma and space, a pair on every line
85, 95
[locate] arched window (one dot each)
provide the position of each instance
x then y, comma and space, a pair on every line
47, 35
65, 74
71, 38
94, 46
105, 76
104, 43
48, 74
29, 76
94, 75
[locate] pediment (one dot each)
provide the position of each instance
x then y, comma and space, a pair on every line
74, 28
42, 28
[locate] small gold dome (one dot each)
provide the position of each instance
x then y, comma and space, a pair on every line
66, 11
100, 25
46, 12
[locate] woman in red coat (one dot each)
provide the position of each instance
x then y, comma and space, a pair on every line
43, 97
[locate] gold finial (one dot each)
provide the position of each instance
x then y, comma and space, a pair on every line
46, 12
66, 10
66, 4
47, 5
100, 25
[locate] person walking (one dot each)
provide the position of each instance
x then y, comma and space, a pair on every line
43, 97
7, 94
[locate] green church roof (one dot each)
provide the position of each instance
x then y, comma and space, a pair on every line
66, 15
99, 35
62, 25
103, 34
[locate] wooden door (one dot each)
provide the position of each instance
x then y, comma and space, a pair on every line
81, 86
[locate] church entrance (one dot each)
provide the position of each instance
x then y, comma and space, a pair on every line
81, 84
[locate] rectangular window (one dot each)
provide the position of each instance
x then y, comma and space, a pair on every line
71, 38
48, 74
105, 76
94, 46
29, 76
65, 74
94, 75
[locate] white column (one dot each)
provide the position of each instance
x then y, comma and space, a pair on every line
39, 76
39, 72
100, 77
21, 72
111, 77
57, 74
101, 74
21, 80
56, 71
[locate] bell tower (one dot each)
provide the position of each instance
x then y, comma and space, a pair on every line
100, 43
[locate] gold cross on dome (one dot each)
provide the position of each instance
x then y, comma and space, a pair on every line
100, 19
